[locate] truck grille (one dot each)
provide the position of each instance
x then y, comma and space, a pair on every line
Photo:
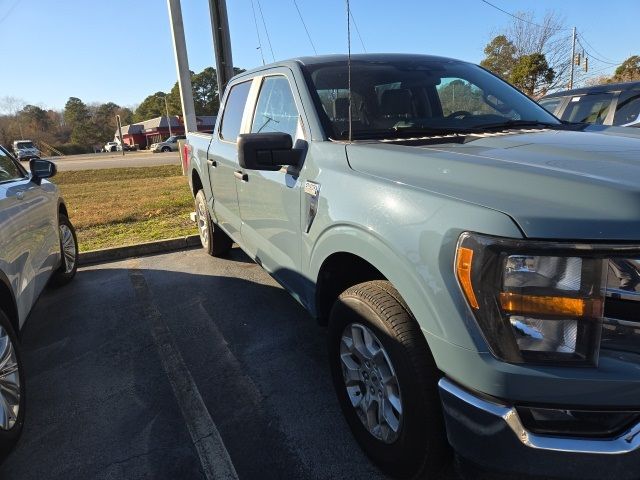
621, 328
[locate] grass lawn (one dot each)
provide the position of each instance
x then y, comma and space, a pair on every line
124, 206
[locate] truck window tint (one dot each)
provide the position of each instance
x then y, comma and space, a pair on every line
588, 108
551, 104
628, 108
8, 168
233, 110
276, 110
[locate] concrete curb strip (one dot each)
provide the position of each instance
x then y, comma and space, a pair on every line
149, 248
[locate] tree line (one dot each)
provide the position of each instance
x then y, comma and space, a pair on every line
536, 57
82, 127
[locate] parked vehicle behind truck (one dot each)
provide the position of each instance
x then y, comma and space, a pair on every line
476, 261
609, 104
25, 150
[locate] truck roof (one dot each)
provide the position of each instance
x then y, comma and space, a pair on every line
342, 57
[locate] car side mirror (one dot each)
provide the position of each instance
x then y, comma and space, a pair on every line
267, 151
41, 169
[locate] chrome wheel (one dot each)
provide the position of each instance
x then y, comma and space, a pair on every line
9, 382
371, 382
203, 227
68, 248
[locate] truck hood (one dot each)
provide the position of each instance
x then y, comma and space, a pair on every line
554, 184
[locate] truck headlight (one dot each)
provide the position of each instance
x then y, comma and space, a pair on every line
537, 302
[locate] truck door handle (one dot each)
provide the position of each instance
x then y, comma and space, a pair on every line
240, 175
212, 163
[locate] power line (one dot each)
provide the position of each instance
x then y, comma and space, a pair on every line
593, 57
357, 30
594, 50
255, 20
9, 11
305, 28
520, 18
266, 30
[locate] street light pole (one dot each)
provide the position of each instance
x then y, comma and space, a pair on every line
182, 65
120, 133
166, 106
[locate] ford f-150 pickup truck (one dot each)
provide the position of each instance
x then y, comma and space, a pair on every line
476, 261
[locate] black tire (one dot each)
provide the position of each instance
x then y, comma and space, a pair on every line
8, 438
421, 446
166, 149
215, 241
64, 274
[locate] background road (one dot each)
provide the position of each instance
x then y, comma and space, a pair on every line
114, 160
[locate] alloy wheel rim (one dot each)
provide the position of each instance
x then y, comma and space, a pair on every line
371, 382
202, 223
68, 248
9, 382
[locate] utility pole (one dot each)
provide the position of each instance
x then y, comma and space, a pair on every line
120, 133
182, 65
573, 58
221, 43
166, 106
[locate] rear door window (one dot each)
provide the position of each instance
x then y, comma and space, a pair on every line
628, 109
233, 111
588, 108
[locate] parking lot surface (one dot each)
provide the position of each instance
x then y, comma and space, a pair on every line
179, 366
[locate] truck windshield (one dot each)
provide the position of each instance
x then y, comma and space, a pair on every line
21, 145
395, 99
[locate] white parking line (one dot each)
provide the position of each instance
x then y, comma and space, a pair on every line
214, 457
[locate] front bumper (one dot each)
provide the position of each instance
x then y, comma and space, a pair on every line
490, 433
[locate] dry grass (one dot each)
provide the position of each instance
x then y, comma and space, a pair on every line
124, 206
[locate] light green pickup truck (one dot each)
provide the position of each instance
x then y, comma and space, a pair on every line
477, 261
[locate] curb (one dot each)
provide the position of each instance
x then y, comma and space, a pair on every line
149, 248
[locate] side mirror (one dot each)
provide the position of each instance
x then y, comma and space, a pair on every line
41, 169
267, 151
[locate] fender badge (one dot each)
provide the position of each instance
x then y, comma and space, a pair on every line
311, 188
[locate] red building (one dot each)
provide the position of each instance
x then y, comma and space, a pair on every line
156, 129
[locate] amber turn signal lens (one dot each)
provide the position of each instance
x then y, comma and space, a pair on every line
463, 272
532, 304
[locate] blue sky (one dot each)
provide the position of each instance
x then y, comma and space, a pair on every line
120, 50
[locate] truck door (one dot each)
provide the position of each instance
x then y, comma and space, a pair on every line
270, 201
222, 159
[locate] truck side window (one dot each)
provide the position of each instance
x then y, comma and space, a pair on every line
276, 109
233, 110
8, 169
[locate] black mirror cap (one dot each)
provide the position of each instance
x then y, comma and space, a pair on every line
266, 151
42, 169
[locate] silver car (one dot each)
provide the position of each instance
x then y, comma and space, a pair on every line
169, 145
38, 246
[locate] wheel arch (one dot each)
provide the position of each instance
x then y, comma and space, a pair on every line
371, 258
8, 302
196, 182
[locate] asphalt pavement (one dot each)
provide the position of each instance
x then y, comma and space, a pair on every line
179, 366
88, 161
